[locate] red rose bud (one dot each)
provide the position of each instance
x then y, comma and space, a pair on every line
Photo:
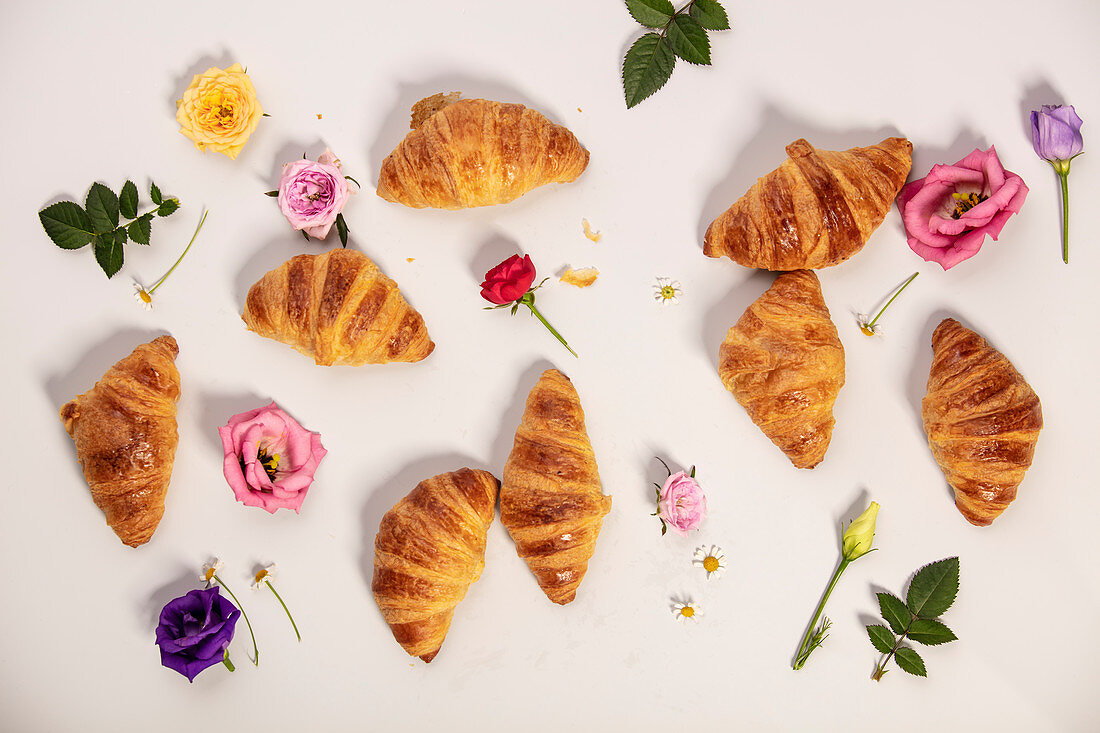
508, 281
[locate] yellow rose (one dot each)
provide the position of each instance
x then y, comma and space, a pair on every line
219, 110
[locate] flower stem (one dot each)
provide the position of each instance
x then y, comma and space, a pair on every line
225, 660
894, 297
255, 649
1063, 173
805, 647
173, 267
529, 300
280, 599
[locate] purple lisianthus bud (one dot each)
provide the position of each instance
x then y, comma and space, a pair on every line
1056, 132
195, 630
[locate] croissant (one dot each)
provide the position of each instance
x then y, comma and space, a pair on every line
783, 361
338, 308
429, 548
982, 421
550, 497
125, 434
476, 152
817, 209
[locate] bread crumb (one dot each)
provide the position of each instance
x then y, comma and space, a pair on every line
594, 236
580, 110
428, 106
581, 278
318, 116
410, 259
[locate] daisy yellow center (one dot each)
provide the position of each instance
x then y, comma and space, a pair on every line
867, 330
668, 292
261, 576
710, 563
687, 611
964, 202
209, 576
144, 295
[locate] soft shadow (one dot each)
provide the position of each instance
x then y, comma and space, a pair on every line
857, 507
729, 309
215, 409
765, 150
391, 489
224, 59
1035, 95
396, 124
509, 421
655, 470
916, 384
925, 155
288, 153
185, 579
495, 249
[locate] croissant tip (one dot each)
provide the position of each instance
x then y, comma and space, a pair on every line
429, 656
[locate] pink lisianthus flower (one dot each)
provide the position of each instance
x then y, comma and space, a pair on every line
948, 213
681, 503
313, 193
269, 458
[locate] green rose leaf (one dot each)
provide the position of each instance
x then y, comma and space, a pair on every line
67, 225
102, 206
168, 207
930, 632
910, 661
342, 229
689, 41
646, 68
652, 13
154, 193
108, 251
894, 611
934, 588
710, 14
140, 229
128, 200
881, 637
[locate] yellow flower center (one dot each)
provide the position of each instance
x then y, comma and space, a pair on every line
209, 576
964, 202
270, 463
261, 576
668, 292
867, 330
144, 295
710, 563
687, 611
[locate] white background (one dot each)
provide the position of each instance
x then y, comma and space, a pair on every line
89, 94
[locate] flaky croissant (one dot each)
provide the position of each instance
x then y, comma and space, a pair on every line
817, 209
550, 497
124, 429
783, 361
338, 308
982, 419
428, 551
477, 152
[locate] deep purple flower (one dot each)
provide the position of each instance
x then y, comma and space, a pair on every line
195, 630
1056, 132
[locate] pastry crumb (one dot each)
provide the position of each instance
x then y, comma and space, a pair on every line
588, 232
580, 110
410, 259
428, 106
580, 278
318, 116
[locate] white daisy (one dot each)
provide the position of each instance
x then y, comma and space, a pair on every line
667, 291
865, 325
711, 559
209, 570
686, 611
262, 576
144, 297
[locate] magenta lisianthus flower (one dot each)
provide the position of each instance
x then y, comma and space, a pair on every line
313, 193
948, 213
270, 459
681, 503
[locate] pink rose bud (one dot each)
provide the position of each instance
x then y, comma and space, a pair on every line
681, 503
313, 193
269, 458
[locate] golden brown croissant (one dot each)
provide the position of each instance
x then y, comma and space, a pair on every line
125, 434
477, 152
429, 548
550, 498
982, 420
338, 308
783, 361
817, 209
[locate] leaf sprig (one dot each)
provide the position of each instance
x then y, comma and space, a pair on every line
931, 593
683, 33
71, 226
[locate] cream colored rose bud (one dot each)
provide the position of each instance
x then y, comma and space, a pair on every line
860, 533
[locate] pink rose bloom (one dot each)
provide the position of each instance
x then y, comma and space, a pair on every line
269, 458
948, 213
312, 194
681, 503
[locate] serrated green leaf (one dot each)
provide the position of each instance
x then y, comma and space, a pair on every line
140, 229
342, 229
128, 200
168, 208
710, 14
67, 225
894, 611
646, 68
881, 637
910, 661
689, 41
154, 193
651, 13
934, 588
102, 207
930, 632
108, 253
